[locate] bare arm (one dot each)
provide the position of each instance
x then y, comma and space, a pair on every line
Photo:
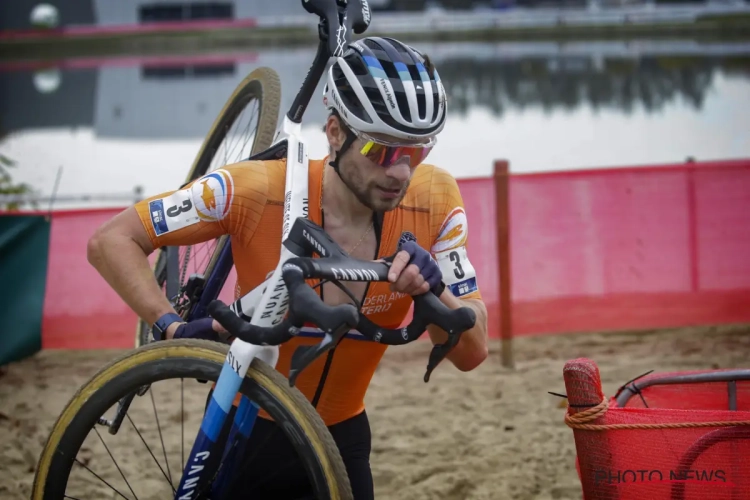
450, 236
472, 349
199, 212
119, 251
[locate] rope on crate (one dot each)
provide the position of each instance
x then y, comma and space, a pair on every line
579, 420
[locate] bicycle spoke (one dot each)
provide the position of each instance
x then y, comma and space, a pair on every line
115, 462
247, 133
226, 153
231, 150
201, 254
152, 454
161, 438
240, 136
205, 256
182, 420
100, 478
224, 158
184, 267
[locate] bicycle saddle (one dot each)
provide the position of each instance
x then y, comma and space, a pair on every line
341, 18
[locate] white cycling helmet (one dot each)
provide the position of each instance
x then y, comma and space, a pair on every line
381, 85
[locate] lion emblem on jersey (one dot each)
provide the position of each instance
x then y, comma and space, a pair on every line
213, 194
453, 232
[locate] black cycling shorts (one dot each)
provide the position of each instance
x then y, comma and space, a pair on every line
272, 469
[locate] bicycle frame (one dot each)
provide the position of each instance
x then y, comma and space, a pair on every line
266, 305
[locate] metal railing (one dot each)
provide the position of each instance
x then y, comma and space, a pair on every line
521, 17
45, 202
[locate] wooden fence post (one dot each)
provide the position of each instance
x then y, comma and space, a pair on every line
503, 252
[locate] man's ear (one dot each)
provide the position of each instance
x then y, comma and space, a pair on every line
335, 132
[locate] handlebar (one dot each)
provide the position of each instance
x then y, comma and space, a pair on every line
305, 306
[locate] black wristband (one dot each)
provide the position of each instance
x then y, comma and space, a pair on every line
161, 325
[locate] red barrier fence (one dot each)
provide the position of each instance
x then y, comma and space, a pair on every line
80, 309
589, 250
629, 248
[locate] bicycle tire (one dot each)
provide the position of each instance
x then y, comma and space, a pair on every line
173, 359
263, 84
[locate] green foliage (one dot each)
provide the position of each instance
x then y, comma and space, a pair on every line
7, 186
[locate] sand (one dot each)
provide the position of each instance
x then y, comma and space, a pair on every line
493, 433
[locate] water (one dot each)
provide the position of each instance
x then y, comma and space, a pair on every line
111, 125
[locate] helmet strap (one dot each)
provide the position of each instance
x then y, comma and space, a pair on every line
350, 138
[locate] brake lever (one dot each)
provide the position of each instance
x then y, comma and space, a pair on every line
453, 321
357, 16
304, 355
439, 352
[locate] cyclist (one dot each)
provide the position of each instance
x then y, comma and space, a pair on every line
373, 195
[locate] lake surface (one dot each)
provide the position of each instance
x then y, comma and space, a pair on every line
116, 124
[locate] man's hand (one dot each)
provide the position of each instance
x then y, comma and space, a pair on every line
204, 328
414, 271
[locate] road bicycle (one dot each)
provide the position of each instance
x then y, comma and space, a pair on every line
260, 321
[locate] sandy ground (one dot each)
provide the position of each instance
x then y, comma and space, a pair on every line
493, 433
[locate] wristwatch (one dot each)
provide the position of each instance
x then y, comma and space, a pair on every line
161, 325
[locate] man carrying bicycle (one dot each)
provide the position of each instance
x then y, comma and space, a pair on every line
373, 195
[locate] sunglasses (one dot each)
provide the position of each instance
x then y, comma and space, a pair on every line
386, 155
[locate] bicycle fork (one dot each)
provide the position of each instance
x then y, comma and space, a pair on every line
201, 466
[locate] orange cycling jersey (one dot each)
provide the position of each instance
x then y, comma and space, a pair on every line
246, 201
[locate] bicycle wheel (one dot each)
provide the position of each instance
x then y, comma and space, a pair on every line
228, 141
174, 359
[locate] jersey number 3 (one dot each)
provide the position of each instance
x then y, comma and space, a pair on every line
458, 271
176, 210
